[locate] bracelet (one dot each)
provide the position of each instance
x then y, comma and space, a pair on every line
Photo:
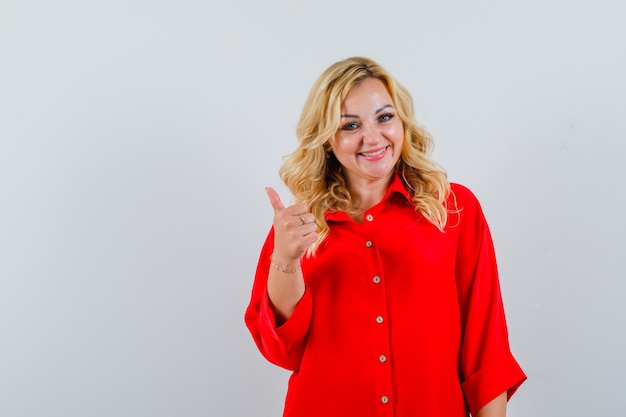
286, 271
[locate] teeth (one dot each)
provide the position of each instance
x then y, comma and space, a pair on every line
369, 154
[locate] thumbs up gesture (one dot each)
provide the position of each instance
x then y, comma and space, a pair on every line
294, 230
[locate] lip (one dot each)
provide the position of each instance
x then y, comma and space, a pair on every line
374, 154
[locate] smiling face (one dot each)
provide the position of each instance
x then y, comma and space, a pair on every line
369, 141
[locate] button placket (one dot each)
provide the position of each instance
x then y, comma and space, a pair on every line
383, 371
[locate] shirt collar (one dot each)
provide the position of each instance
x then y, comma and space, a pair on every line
396, 187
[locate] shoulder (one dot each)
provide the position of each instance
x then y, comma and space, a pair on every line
461, 194
463, 205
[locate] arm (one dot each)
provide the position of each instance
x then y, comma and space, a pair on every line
280, 308
285, 288
494, 408
487, 364
280, 341
294, 231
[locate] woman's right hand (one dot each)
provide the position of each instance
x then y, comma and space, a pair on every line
294, 231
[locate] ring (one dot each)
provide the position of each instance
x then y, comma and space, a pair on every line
302, 220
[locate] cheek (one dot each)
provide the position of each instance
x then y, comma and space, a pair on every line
396, 132
400, 130
342, 144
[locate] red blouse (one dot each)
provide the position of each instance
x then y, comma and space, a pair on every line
398, 319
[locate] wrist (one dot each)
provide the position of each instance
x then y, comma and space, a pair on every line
285, 267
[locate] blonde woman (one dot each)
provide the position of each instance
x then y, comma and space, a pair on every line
378, 288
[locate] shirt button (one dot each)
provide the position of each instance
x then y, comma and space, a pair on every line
384, 399
376, 280
369, 217
369, 244
382, 358
379, 319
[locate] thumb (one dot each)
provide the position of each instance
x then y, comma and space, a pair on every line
274, 199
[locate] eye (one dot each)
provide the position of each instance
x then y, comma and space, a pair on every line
386, 117
350, 126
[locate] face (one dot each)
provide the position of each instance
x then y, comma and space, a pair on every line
369, 140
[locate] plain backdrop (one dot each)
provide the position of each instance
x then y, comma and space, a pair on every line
136, 138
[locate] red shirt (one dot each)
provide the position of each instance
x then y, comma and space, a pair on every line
398, 319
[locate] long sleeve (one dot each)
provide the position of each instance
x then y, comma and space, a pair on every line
487, 366
283, 345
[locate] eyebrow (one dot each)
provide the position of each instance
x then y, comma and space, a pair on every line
386, 106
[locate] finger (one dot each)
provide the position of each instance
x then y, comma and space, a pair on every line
307, 218
274, 199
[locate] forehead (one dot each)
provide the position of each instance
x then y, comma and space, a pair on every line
369, 92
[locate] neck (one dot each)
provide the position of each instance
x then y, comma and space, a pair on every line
366, 194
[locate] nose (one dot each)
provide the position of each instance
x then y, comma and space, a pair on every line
371, 133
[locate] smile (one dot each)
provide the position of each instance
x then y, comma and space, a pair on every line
374, 153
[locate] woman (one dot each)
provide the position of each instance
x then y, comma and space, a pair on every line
379, 287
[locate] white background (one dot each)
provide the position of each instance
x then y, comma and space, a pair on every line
136, 138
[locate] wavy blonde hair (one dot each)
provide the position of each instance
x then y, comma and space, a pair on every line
313, 174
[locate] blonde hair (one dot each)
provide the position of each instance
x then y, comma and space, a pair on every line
313, 174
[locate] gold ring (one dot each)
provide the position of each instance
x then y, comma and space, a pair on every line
302, 220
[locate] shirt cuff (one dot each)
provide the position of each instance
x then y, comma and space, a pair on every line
500, 375
295, 328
